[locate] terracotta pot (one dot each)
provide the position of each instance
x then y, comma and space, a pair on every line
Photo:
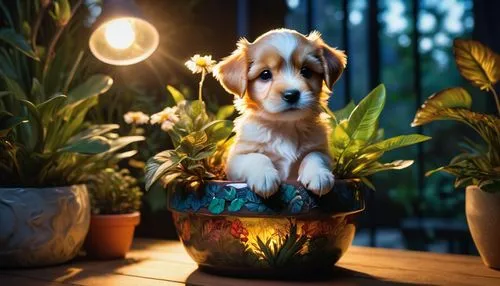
229, 230
483, 217
110, 236
42, 226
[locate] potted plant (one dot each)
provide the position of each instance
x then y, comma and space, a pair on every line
115, 199
478, 167
228, 229
47, 150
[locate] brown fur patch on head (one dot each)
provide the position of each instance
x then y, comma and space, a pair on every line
232, 70
334, 61
295, 61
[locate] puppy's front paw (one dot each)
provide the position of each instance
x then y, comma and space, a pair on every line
318, 180
264, 181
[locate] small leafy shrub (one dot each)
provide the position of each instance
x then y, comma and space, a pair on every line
114, 191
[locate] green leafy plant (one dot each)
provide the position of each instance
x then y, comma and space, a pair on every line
284, 250
44, 138
114, 191
356, 142
200, 138
479, 163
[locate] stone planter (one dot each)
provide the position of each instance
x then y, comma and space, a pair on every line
110, 236
483, 217
42, 226
227, 229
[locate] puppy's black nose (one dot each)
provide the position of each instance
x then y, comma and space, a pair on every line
291, 95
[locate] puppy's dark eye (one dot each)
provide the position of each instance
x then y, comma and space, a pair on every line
305, 72
266, 75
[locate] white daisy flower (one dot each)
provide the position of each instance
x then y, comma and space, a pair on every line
136, 117
167, 118
199, 63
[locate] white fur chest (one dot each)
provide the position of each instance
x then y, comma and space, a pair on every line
285, 143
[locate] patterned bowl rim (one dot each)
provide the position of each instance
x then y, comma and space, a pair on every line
352, 203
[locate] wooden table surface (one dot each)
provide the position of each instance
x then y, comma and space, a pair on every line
155, 262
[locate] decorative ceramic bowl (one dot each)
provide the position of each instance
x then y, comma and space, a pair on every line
42, 226
228, 229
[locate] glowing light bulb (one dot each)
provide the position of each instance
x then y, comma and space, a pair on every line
119, 34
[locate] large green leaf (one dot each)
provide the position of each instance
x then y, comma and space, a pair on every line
345, 112
49, 108
218, 130
94, 85
396, 142
193, 142
160, 164
123, 141
34, 131
176, 94
477, 63
438, 106
447, 105
93, 145
94, 130
17, 41
225, 112
363, 119
378, 167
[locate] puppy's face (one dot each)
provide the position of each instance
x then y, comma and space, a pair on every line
280, 76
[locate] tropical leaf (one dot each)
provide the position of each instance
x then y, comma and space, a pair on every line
34, 131
345, 112
176, 94
477, 63
454, 104
396, 142
378, 167
94, 130
193, 142
224, 112
439, 106
218, 130
123, 141
17, 41
49, 108
160, 164
93, 86
93, 145
363, 119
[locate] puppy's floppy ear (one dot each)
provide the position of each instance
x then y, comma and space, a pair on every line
334, 61
232, 71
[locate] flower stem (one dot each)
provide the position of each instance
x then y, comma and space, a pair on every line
50, 52
36, 25
497, 100
200, 89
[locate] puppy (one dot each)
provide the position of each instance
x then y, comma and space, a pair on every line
281, 81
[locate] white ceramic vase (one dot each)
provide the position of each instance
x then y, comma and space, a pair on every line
42, 226
483, 217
